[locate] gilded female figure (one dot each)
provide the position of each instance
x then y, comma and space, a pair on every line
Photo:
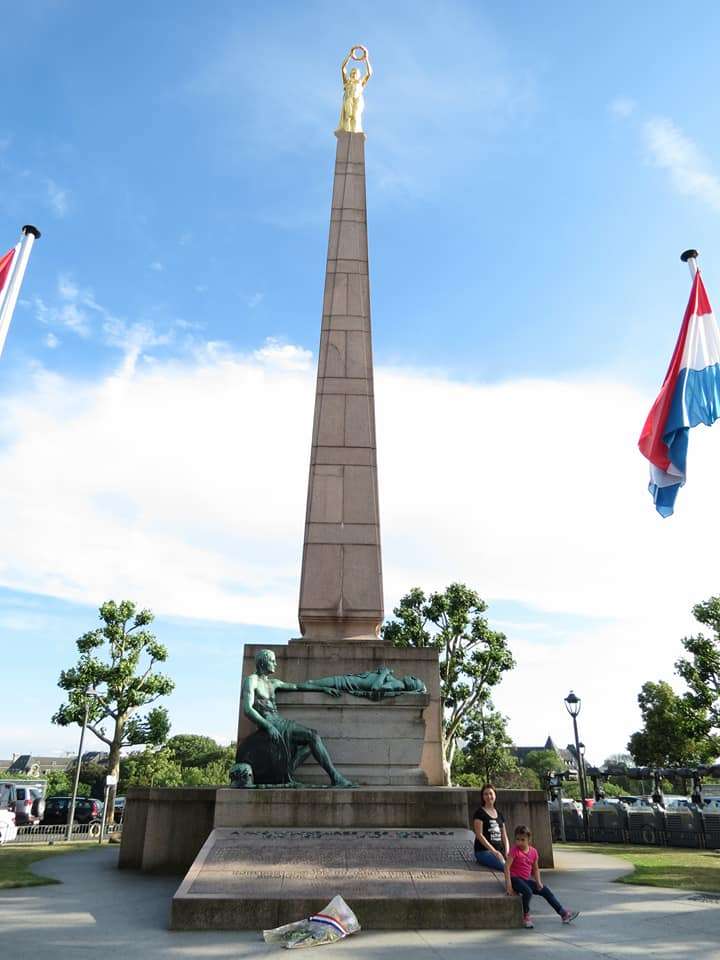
353, 86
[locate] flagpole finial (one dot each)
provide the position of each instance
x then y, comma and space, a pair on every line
29, 228
689, 255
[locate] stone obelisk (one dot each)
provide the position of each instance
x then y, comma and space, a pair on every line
341, 594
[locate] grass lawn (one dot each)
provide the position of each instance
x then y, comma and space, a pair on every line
15, 862
662, 866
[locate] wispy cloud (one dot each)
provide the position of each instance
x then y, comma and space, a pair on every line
283, 356
157, 266
58, 198
51, 341
254, 299
622, 107
690, 170
468, 94
74, 308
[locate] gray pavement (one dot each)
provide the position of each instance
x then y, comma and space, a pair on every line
100, 911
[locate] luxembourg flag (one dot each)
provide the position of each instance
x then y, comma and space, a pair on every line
690, 395
12, 270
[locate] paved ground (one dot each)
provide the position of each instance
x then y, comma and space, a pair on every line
100, 911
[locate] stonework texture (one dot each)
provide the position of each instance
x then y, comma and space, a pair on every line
341, 594
259, 878
389, 743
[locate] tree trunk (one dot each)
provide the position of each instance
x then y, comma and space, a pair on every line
448, 754
113, 768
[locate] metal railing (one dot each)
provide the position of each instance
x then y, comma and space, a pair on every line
55, 833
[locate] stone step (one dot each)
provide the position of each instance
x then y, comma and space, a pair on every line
255, 879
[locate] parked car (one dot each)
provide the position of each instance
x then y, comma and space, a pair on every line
87, 810
29, 806
119, 809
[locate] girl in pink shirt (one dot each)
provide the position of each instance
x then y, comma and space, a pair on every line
522, 875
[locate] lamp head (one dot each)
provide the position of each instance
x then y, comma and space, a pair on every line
572, 704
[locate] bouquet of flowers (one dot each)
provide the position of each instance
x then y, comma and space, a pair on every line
335, 922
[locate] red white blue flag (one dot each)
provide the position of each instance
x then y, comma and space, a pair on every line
6, 265
690, 395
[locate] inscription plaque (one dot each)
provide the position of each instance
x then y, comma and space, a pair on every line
246, 862
250, 878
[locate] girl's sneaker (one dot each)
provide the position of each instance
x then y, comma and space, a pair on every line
527, 921
569, 916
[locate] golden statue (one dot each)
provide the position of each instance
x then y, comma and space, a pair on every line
353, 86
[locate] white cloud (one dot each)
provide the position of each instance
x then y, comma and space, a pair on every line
57, 197
690, 171
255, 299
51, 341
74, 309
182, 484
283, 356
157, 266
622, 107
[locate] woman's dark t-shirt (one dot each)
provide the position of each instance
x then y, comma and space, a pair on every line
492, 829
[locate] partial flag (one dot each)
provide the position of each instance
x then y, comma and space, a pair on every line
6, 265
690, 395
12, 270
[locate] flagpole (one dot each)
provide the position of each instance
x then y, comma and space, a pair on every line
30, 235
690, 258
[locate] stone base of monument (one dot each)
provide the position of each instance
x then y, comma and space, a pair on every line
393, 742
255, 879
378, 744
253, 859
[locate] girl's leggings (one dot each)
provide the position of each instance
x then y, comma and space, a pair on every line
526, 888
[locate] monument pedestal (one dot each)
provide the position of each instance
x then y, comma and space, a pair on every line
402, 857
412, 879
379, 744
392, 742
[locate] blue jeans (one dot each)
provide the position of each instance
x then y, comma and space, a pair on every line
489, 860
526, 888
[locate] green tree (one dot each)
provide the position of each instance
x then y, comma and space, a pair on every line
671, 733
151, 768
473, 657
487, 747
521, 778
120, 657
164, 767
544, 762
196, 750
58, 784
701, 671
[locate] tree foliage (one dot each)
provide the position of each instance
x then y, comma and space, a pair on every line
118, 662
186, 760
486, 750
521, 778
59, 784
473, 657
544, 762
701, 669
672, 733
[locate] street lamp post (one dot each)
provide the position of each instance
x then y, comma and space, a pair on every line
583, 768
89, 693
572, 705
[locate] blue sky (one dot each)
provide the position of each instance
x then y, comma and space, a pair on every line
533, 175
